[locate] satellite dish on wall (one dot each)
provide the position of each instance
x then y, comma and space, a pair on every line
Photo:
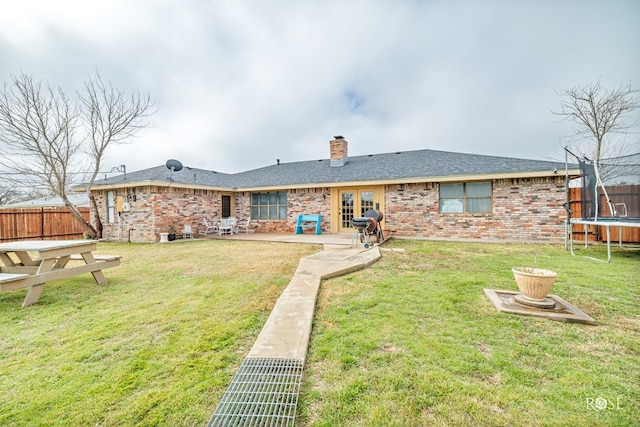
174, 165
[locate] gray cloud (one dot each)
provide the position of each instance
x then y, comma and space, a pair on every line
241, 83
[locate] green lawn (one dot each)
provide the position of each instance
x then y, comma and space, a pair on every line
410, 341
158, 345
413, 341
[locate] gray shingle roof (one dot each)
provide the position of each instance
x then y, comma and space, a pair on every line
419, 164
187, 175
79, 200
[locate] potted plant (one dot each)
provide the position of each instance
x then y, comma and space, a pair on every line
171, 230
534, 283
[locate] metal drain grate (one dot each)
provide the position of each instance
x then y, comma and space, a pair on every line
264, 392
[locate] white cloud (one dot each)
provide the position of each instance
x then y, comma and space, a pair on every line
241, 83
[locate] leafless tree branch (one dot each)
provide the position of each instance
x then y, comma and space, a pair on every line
598, 115
8, 195
111, 117
39, 128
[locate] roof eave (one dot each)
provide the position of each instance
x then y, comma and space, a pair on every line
152, 183
419, 179
353, 183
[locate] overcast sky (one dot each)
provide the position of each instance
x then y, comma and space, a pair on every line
240, 83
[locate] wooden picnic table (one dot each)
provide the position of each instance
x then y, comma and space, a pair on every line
32, 263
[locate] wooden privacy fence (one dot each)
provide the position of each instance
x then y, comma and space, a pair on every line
41, 223
629, 195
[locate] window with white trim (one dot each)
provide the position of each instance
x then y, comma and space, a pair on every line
111, 207
466, 197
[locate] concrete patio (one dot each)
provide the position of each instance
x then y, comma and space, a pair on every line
341, 239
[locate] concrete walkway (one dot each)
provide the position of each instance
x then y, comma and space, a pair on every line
265, 389
287, 330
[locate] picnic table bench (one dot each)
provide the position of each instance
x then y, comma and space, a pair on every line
309, 221
10, 277
21, 269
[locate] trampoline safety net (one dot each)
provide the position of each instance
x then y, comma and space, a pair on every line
619, 193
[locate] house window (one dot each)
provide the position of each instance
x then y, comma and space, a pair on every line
366, 201
271, 205
111, 207
465, 197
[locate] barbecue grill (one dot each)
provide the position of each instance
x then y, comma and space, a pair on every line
368, 225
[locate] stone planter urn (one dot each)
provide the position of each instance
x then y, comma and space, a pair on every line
534, 283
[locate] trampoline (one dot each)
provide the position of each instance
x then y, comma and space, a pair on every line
607, 224
622, 212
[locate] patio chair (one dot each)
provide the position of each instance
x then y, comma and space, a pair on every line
233, 222
187, 232
227, 225
244, 227
209, 227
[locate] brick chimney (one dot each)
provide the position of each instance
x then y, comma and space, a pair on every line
338, 147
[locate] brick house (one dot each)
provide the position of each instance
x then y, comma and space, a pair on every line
422, 193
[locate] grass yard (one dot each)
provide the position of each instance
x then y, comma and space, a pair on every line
410, 341
413, 341
158, 345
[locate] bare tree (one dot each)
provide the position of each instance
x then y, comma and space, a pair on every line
39, 128
598, 115
8, 195
111, 117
